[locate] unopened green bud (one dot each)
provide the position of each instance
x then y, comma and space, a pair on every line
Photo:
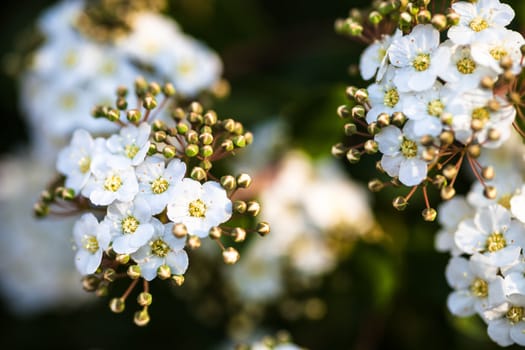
144, 299
133, 272
198, 174
169, 151
191, 150
113, 115
263, 228
117, 305
168, 90
353, 156
164, 272
239, 141
244, 180
141, 318
375, 17
228, 182
210, 118
133, 115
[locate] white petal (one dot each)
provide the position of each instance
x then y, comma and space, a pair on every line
499, 331
461, 303
412, 171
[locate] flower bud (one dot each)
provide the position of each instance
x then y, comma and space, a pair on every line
429, 214
239, 234
253, 208
168, 90
90, 283
122, 259
239, 206
228, 182
194, 242
144, 299
488, 172
169, 151
450, 171
133, 115
141, 318
244, 180
371, 147
117, 305
230, 256
263, 228
490, 192
343, 112
109, 274
164, 272
400, 203
447, 192
350, 129
179, 230
375, 185
133, 271
210, 118
338, 150
353, 156
198, 174
196, 107
191, 150
215, 232
178, 280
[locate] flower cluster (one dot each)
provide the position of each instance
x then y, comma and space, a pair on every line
147, 192
92, 46
433, 105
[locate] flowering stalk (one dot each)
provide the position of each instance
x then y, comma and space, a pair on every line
147, 192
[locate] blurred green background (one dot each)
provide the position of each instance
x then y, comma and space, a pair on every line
283, 59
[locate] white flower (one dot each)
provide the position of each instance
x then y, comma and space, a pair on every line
132, 143
462, 72
112, 179
507, 326
517, 205
507, 43
163, 248
479, 21
74, 161
199, 206
450, 214
375, 57
401, 152
505, 184
477, 286
425, 109
419, 58
157, 181
59, 19
492, 233
92, 239
384, 97
130, 225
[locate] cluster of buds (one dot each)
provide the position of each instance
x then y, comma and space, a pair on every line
433, 105
147, 192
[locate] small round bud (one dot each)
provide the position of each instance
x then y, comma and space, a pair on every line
244, 180
113, 115
477, 124
474, 150
230, 256
178, 280
159, 136
182, 128
508, 76
90, 283
239, 141
375, 185
102, 290
424, 16
446, 137
215, 232
450, 171
47, 196
429, 214
154, 88
375, 17
452, 19
506, 62
122, 259
405, 19
228, 182
191, 150
399, 119
383, 120
122, 91
263, 228
494, 105
178, 114
488, 172
117, 305
210, 118
239, 234
379, 167
350, 92
227, 145
487, 83
206, 151
206, 138
253, 208
361, 95
198, 174
141, 86
439, 22
99, 112
133, 271
179, 230
515, 97
194, 242
353, 156
196, 107
447, 192
169, 151
158, 125
168, 90
141, 318
343, 112
239, 206
493, 135
490, 192
371, 147
373, 128
195, 118
228, 125
206, 164
400, 203
446, 118
40, 209
248, 137
439, 181
350, 129
358, 111
164, 272
133, 115
338, 150
144, 299
121, 104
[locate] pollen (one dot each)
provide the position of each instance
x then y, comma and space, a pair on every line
466, 65
131, 150
159, 186
478, 24
391, 98
515, 314
90, 244
408, 148
435, 108
480, 288
481, 114
197, 209
112, 183
421, 62
496, 241
498, 53
130, 225
160, 248
504, 200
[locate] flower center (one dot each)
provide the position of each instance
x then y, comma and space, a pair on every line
84, 164
435, 108
481, 113
466, 65
90, 243
130, 225
159, 186
185, 67
70, 59
496, 241
478, 24
498, 53
391, 98
108, 68
112, 183
131, 150
160, 248
421, 62
408, 148
479, 288
68, 101
515, 314
197, 208
504, 200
